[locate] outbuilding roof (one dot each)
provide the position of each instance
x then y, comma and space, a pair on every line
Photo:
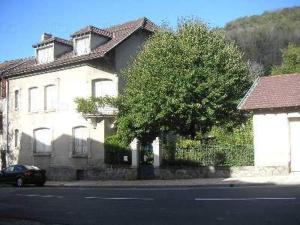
117, 34
273, 92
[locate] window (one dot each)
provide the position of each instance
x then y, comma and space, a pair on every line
33, 100
16, 136
82, 46
42, 140
45, 55
9, 169
3, 88
79, 140
16, 99
18, 168
1, 122
103, 88
50, 97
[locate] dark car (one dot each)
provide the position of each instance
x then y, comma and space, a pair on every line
23, 174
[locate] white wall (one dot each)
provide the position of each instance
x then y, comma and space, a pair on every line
70, 83
271, 138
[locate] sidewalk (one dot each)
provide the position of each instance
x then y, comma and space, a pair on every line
292, 179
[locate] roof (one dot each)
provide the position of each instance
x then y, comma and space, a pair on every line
7, 65
92, 29
53, 39
279, 91
118, 33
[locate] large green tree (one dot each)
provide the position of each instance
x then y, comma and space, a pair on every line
184, 81
290, 61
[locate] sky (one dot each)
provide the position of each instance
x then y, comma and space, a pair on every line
23, 21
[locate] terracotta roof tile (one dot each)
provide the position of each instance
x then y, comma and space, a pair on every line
119, 33
280, 91
53, 39
92, 29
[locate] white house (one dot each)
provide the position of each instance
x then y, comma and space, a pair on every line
275, 103
41, 125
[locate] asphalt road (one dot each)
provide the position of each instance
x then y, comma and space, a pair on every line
182, 206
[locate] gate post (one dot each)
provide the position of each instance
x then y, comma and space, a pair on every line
157, 152
135, 149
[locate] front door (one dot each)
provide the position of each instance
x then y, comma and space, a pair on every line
295, 145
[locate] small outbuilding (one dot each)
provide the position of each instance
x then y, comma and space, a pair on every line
275, 103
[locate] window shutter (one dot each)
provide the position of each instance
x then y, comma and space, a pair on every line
80, 140
1, 122
3, 88
42, 140
104, 88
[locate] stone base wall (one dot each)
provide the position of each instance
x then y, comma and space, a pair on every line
128, 173
105, 173
219, 172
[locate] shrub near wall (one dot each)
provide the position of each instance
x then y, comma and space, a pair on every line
221, 147
116, 153
213, 155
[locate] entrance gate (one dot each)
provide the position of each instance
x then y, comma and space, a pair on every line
146, 160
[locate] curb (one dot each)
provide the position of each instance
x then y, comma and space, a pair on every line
227, 185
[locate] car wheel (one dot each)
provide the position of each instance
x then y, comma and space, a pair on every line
20, 182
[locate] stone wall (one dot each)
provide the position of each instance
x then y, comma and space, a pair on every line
104, 173
219, 172
128, 173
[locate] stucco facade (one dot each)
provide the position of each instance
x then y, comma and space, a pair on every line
70, 83
27, 116
272, 138
275, 104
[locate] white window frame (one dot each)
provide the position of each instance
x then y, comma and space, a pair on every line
82, 153
48, 152
16, 138
87, 48
30, 101
53, 105
45, 54
113, 87
16, 99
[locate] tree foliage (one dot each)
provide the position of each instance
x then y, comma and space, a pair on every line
290, 61
183, 81
92, 104
262, 37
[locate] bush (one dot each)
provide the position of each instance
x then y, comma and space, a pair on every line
213, 155
115, 150
240, 135
220, 147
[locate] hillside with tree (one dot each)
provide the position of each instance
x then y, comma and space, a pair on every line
263, 37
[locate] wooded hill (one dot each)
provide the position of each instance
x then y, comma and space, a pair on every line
262, 37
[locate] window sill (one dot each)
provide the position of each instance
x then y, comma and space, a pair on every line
47, 154
79, 156
50, 110
33, 113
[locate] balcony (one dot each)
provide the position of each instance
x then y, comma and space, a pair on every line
95, 109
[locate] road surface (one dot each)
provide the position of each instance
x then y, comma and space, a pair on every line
156, 206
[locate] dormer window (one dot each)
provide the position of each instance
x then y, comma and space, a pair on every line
45, 55
82, 45
89, 38
51, 48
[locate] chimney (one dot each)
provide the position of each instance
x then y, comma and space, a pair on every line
45, 36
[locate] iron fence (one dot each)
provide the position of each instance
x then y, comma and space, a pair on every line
211, 155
